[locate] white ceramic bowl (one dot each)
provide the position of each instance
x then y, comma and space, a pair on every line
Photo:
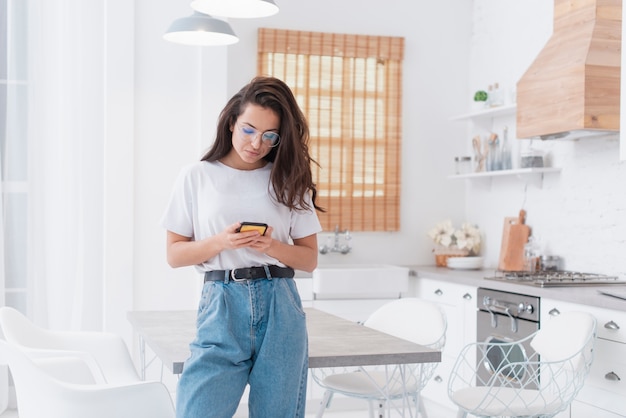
465, 263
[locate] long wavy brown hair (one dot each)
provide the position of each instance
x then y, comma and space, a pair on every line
291, 175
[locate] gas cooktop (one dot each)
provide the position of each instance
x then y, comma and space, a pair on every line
551, 278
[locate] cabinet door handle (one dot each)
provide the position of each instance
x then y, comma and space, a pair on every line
611, 325
438, 379
612, 376
438, 292
554, 312
467, 296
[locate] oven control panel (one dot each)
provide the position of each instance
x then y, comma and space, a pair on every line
515, 305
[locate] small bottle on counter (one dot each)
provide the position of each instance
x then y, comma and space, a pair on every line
531, 256
493, 156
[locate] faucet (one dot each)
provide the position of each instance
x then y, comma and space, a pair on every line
337, 247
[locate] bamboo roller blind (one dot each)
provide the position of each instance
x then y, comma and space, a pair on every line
350, 89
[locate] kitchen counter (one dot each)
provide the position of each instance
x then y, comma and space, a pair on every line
585, 295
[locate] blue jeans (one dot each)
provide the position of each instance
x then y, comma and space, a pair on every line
252, 333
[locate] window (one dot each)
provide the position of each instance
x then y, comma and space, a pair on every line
13, 149
350, 89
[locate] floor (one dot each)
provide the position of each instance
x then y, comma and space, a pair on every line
328, 414
341, 414
337, 410
341, 411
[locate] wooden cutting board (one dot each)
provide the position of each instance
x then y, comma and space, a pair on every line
514, 237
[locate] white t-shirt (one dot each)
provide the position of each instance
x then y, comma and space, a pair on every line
209, 196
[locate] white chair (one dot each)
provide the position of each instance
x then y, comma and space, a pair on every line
42, 395
540, 385
411, 319
104, 357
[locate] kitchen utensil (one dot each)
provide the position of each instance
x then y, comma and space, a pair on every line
478, 154
514, 236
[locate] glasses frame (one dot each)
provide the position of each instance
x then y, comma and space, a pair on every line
251, 137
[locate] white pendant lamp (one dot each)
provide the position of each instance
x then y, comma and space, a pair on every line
236, 8
201, 30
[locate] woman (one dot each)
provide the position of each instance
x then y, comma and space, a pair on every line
251, 328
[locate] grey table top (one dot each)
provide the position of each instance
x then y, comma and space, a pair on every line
333, 341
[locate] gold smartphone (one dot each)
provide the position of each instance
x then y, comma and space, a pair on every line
253, 226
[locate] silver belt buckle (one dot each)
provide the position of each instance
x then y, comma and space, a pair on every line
233, 278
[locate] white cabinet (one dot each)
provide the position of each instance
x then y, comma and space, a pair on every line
459, 304
604, 392
305, 288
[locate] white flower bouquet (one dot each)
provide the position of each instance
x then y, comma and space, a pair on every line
455, 242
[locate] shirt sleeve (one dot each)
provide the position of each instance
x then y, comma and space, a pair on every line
178, 216
305, 222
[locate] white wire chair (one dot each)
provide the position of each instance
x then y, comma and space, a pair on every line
540, 385
392, 386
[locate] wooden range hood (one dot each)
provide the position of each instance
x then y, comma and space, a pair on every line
572, 89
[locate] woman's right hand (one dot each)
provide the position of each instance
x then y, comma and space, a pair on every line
183, 251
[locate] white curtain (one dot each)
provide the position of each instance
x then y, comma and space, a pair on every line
4, 382
13, 126
66, 140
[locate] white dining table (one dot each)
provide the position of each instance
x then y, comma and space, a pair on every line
333, 341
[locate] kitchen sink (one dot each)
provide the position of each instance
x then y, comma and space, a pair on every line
352, 281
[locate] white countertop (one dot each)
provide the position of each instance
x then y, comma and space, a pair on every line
586, 295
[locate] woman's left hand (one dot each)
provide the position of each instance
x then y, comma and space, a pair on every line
262, 243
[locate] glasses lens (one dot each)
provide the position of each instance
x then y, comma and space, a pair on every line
247, 131
271, 138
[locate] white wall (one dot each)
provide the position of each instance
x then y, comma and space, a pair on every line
179, 90
453, 47
578, 213
435, 83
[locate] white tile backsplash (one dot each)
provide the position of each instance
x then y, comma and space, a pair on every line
578, 213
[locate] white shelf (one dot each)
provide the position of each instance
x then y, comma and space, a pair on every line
490, 112
500, 173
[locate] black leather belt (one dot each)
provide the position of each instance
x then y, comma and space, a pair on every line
251, 273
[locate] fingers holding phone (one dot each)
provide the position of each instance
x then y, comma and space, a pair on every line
263, 242
254, 235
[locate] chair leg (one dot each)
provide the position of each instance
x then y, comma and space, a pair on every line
324, 403
420, 408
